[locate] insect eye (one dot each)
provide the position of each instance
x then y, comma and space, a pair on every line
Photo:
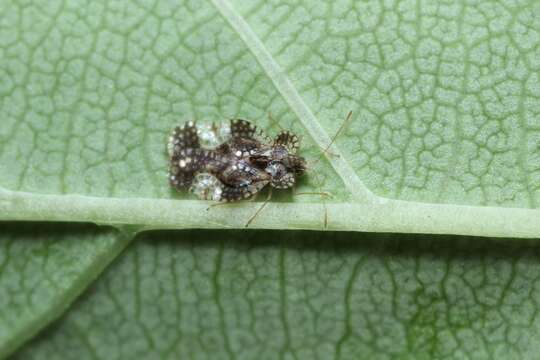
276, 169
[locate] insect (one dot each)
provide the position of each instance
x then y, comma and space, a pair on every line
232, 163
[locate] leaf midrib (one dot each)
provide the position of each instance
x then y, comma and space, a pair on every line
392, 216
369, 212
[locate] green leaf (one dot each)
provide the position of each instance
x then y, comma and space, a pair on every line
445, 134
445, 103
42, 269
306, 295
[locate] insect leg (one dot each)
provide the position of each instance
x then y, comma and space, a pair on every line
260, 208
325, 222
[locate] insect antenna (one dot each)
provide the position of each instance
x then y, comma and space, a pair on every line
211, 206
322, 194
325, 223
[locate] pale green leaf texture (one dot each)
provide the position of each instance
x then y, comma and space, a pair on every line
275, 295
91, 91
447, 94
445, 104
444, 138
42, 269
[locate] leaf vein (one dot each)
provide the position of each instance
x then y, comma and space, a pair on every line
286, 88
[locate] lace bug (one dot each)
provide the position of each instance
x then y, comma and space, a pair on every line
235, 161
239, 167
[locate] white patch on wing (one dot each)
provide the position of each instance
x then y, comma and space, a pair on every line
206, 187
213, 135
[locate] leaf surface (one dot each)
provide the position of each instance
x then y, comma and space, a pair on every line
445, 136
306, 295
43, 268
443, 117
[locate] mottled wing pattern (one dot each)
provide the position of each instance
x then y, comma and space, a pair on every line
240, 167
243, 129
238, 180
183, 166
246, 138
242, 180
207, 186
232, 193
183, 137
186, 156
288, 140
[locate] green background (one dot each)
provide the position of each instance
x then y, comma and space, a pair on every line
446, 104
